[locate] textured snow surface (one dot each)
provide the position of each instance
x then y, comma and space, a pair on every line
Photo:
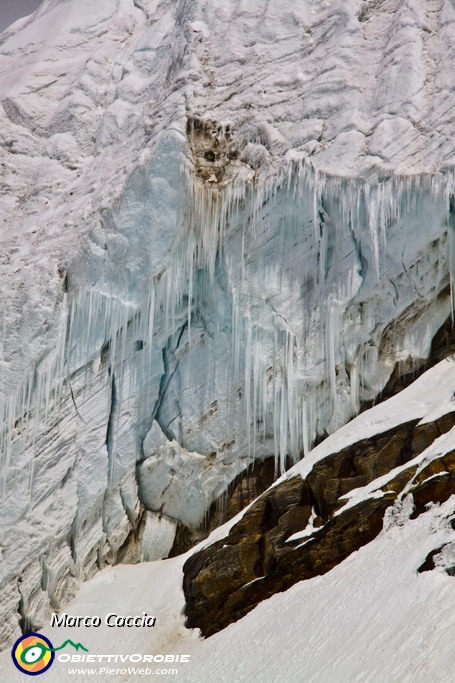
222, 224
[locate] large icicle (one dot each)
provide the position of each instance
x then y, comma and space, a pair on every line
290, 304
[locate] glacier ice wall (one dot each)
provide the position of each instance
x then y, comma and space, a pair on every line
200, 270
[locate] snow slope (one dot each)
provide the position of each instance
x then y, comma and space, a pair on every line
222, 225
372, 618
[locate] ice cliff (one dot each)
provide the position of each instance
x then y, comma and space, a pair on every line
225, 227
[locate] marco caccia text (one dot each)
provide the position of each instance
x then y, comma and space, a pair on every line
69, 620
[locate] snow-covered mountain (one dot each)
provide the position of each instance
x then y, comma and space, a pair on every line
226, 228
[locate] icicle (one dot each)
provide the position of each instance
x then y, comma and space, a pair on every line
451, 230
276, 365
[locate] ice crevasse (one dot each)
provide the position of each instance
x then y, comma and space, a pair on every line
223, 226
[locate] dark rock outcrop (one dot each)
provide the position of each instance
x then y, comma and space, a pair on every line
259, 558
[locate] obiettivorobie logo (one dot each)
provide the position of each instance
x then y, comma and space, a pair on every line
33, 654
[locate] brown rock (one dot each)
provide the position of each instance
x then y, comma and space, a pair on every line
398, 483
434, 490
218, 593
227, 579
433, 467
361, 463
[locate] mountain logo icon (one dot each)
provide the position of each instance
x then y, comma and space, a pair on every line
33, 653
